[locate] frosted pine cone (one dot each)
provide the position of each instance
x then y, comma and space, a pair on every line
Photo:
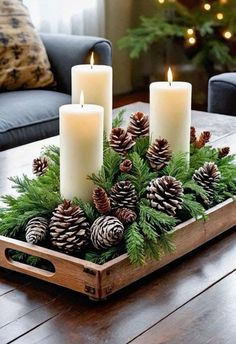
40, 166
123, 195
126, 166
138, 125
69, 229
208, 176
36, 230
121, 141
107, 231
101, 200
159, 154
165, 194
125, 215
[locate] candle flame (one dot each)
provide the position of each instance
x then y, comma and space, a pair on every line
92, 60
82, 98
170, 76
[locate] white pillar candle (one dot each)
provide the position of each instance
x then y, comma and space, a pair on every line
96, 82
81, 148
170, 113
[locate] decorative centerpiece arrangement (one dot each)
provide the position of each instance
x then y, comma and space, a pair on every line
105, 193
141, 193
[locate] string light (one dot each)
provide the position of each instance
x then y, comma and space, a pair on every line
220, 16
223, 2
227, 34
161, 1
207, 7
192, 40
190, 32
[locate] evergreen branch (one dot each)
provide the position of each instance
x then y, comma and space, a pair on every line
193, 208
178, 167
89, 210
141, 173
135, 244
103, 257
191, 186
141, 146
119, 119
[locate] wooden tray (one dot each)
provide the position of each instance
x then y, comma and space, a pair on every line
99, 281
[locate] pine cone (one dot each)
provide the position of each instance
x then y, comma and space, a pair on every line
69, 228
121, 141
123, 195
101, 200
125, 215
138, 125
126, 166
222, 152
159, 154
193, 136
107, 231
208, 177
36, 230
40, 166
203, 139
165, 194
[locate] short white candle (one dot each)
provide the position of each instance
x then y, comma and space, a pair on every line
81, 148
170, 113
96, 82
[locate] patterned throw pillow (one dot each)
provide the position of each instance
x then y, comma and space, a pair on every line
23, 59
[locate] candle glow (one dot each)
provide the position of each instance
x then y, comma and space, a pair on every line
170, 76
92, 60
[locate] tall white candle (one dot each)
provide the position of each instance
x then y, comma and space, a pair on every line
170, 113
96, 82
81, 148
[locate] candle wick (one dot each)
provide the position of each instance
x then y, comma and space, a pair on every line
82, 106
91, 66
169, 83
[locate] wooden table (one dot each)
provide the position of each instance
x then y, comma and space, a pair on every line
190, 301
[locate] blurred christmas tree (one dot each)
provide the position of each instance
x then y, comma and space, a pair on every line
207, 32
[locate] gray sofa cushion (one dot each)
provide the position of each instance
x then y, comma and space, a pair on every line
222, 94
27, 116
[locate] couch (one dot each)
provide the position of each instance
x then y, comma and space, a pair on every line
31, 115
222, 94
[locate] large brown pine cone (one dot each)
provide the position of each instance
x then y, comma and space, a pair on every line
69, 228
126, 215
208, 176
36, 230
107, 231
40, 166
123, 195
165, 194
101, 200
121, 141
159, 154
138, 125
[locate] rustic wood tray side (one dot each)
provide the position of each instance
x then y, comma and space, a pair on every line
99, 281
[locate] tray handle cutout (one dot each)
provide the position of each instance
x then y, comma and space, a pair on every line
23, 266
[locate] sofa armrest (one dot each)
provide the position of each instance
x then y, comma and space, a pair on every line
65, 51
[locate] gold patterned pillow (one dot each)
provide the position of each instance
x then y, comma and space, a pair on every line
23, 59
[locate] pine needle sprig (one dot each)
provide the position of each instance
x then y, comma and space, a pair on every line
141, 174
191, 186
135, 244
177, 167
199, 156
119, 119
20, 184
103, 257
89, 209
141, 146
193, 208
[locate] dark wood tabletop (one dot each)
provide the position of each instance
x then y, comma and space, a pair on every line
190, 301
